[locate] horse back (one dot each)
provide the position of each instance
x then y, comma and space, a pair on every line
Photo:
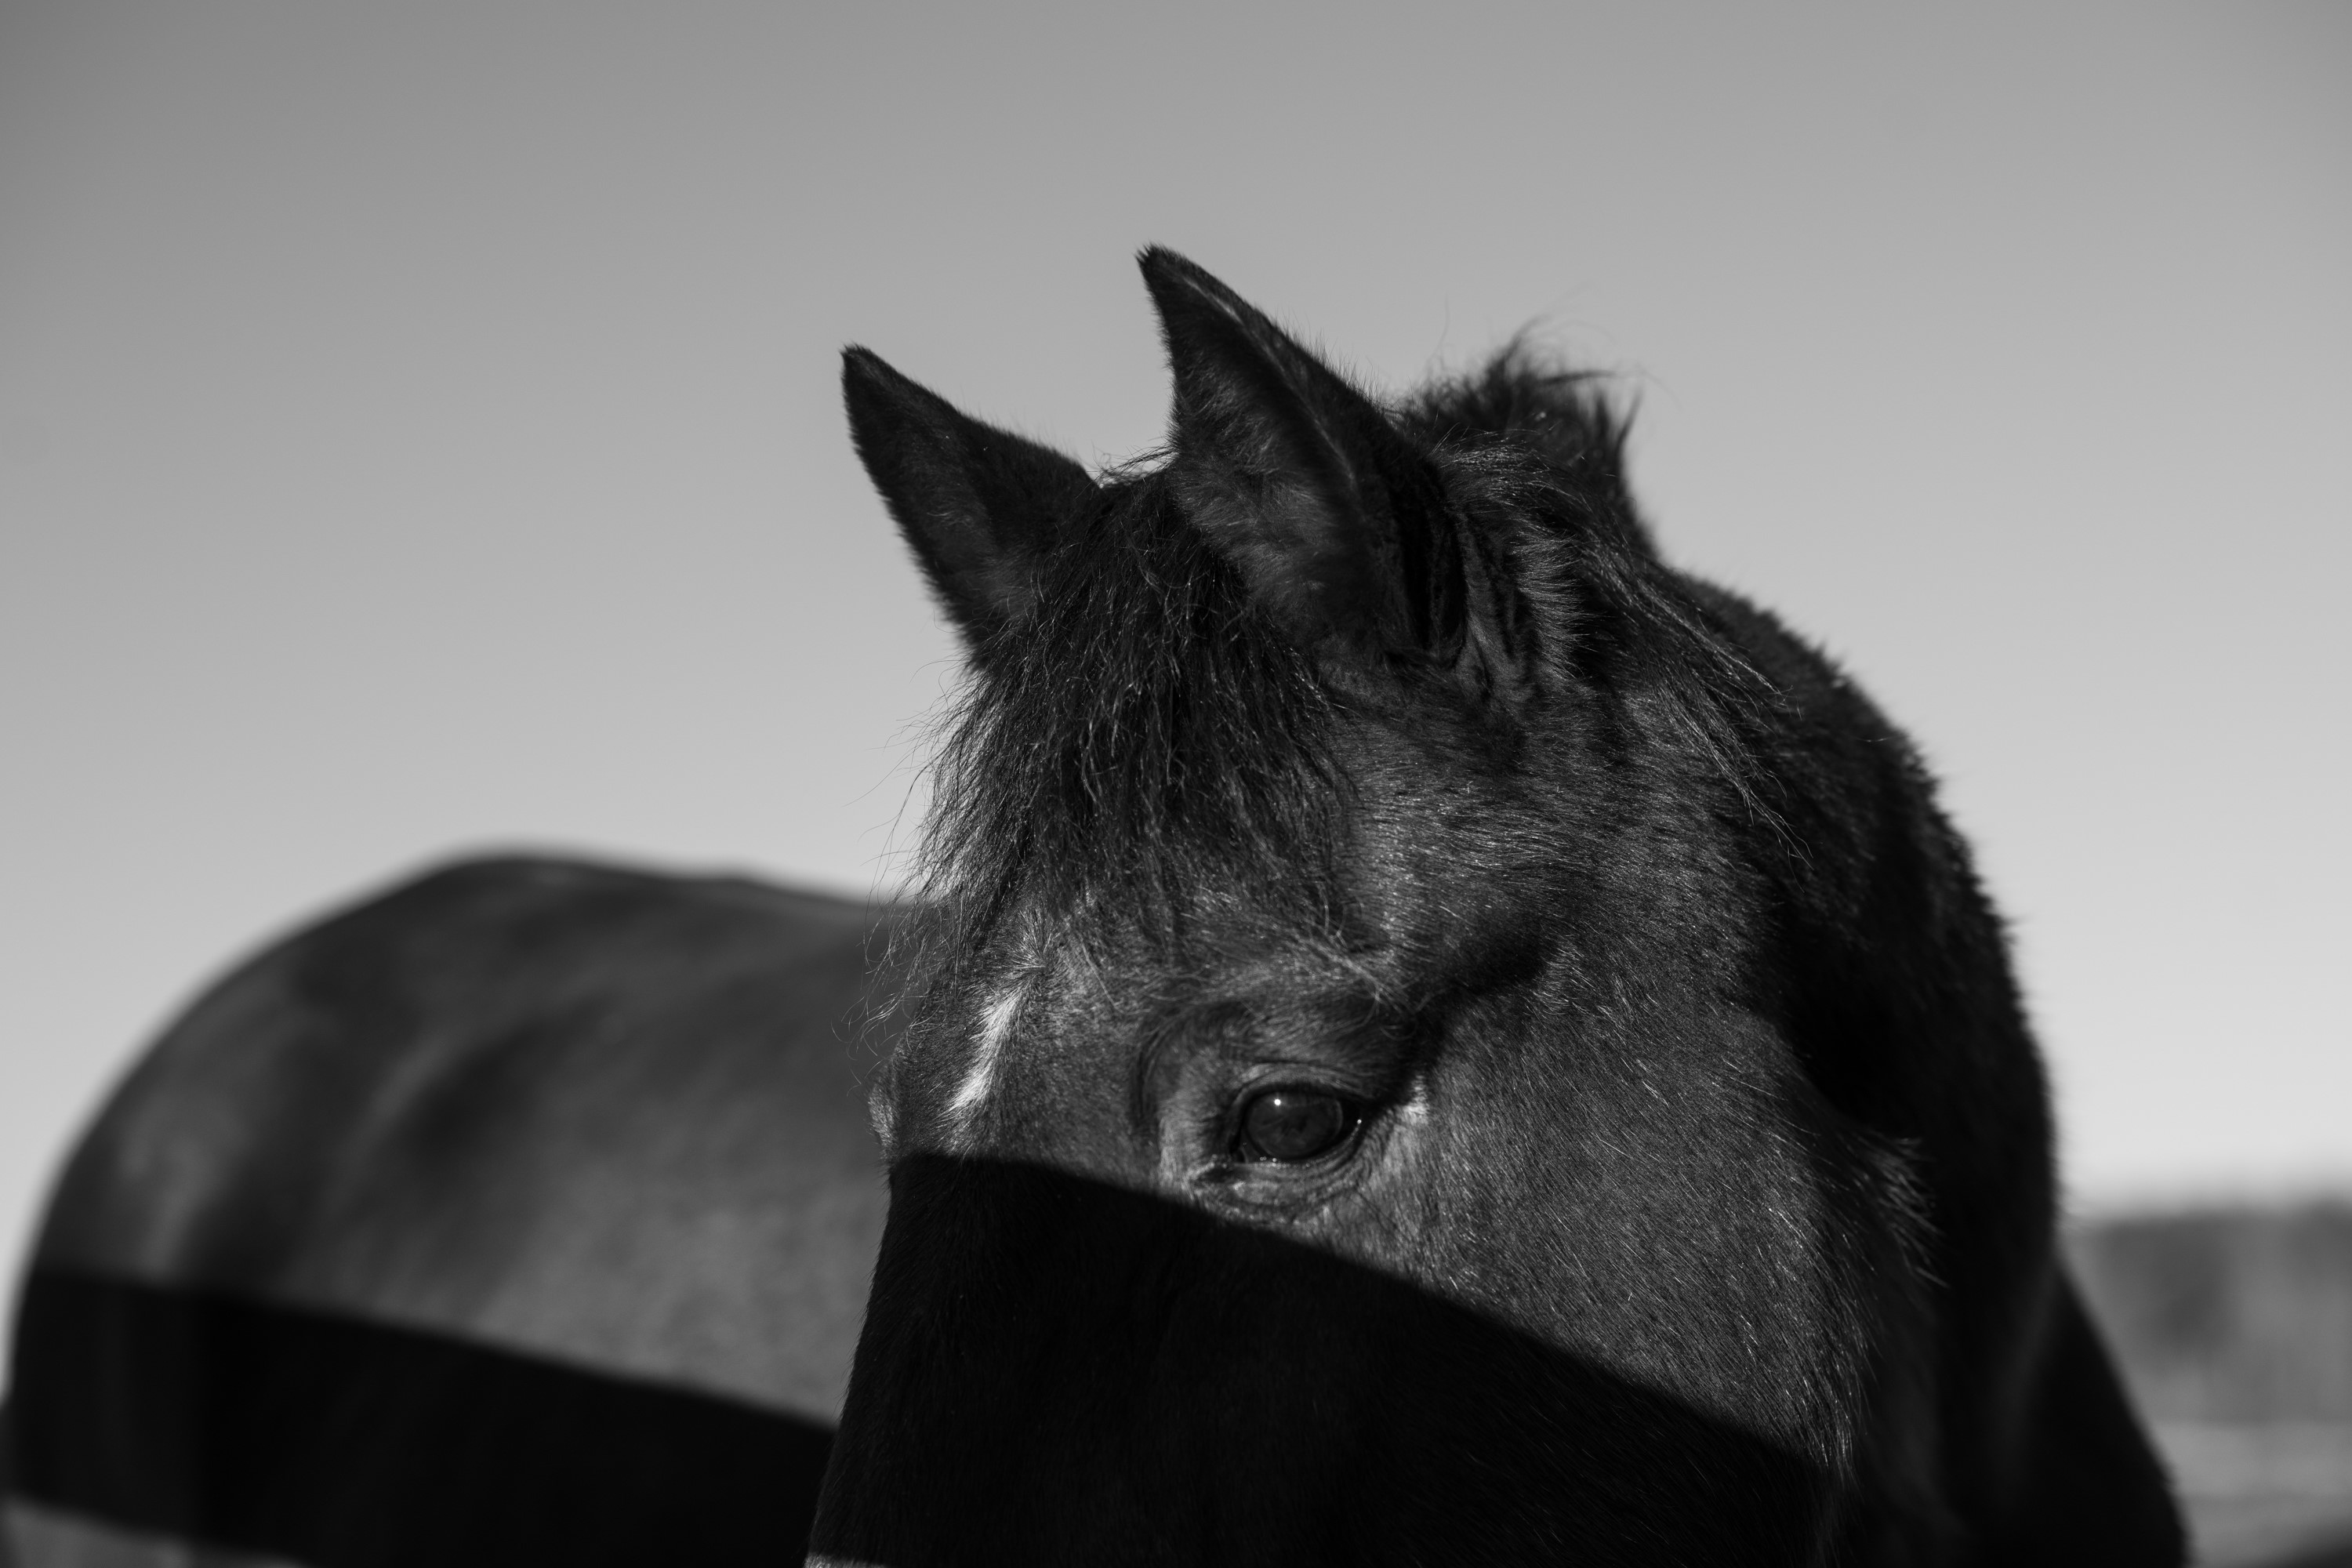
604, 1116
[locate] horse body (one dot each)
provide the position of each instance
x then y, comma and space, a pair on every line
563, 1119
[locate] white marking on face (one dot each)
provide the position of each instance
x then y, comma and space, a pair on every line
988, 1050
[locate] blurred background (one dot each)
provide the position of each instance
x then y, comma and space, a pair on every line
419, 434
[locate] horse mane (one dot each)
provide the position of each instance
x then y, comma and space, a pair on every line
1149, 733
1522, 397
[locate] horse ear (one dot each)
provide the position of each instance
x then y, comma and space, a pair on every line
979, 507
1339, 524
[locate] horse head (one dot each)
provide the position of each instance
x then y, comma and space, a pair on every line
1439, 1038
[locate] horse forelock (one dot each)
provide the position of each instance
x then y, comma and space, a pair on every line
1147, 735
1149, 749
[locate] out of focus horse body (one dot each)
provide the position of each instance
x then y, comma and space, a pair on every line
587, 1145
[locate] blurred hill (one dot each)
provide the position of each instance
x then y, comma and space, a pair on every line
2235, 1329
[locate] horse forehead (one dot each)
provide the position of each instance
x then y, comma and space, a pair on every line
1081, 1017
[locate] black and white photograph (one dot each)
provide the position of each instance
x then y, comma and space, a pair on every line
899, 786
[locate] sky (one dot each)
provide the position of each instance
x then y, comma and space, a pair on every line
419, 435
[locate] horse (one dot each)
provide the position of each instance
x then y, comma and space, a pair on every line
1428, 1036
1436, 1036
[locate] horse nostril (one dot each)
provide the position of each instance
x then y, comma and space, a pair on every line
1292, 1124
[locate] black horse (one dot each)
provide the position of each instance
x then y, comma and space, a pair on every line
1441, 1039
1433, 1038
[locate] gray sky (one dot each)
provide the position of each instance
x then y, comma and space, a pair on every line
419, 434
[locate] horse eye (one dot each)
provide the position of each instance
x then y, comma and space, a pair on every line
1288, 1125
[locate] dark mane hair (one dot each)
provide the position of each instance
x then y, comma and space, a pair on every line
1148, 732
1523, 398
